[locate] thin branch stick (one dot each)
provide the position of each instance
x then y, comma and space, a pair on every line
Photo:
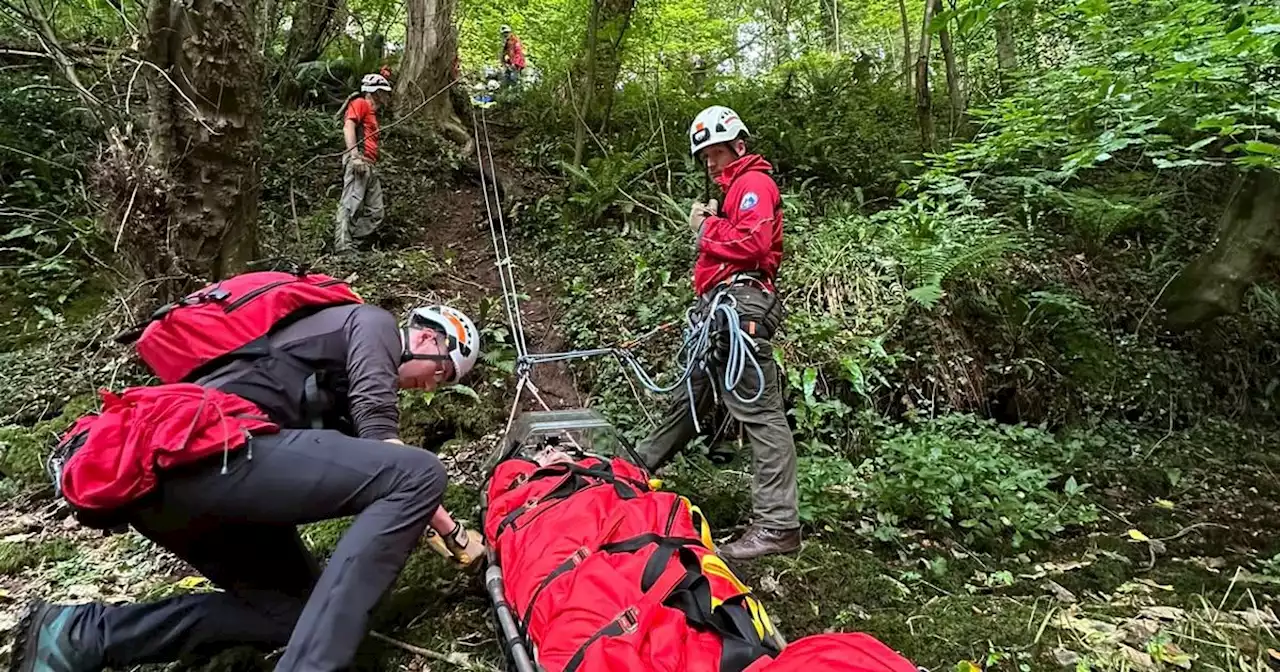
33, 156
195, 110
124, 221
456, 659
128, 92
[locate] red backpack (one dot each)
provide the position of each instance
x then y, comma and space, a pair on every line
199, 333
108, 460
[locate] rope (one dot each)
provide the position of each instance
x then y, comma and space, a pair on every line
696, 350
506, 277
523, 347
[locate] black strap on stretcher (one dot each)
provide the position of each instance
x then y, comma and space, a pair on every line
731, 621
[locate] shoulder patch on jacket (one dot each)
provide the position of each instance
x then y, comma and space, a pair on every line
749, 200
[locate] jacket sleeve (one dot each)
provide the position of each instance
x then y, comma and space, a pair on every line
373, 368
745, 235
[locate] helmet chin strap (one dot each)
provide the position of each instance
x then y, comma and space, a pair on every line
706, 184
405, 353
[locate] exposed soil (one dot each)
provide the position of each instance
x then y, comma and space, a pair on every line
463, 234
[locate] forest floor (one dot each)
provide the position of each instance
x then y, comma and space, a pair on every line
1171, 577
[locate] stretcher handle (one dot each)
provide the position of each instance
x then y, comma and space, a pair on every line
511, 634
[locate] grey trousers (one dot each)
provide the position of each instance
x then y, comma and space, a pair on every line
773, 451
238, 530
362, 196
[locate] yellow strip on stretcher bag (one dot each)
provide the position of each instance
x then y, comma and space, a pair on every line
712, 565
700, 524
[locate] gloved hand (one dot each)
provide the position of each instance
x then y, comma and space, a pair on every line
699, 212
360, 165
466, 546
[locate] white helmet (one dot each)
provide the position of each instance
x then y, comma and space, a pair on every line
374, 82
460, 332
505, 29
714, 125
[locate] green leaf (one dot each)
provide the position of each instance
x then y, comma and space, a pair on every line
810, 382
926, 295
1199, 144
1259, 147
940, 21
1236, 22
464, 391
20, 232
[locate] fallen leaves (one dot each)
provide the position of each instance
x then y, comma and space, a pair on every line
1134, 643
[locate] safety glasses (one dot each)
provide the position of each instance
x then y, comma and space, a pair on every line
444, 362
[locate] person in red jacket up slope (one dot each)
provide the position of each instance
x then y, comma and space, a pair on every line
739, 251
512, 56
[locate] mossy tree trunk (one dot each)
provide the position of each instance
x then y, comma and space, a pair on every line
204, 134
1215, 283
431, 45
599, 66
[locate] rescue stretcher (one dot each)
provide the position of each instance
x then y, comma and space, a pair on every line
591, 567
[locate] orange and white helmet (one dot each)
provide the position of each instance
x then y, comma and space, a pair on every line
715, 125
460, 333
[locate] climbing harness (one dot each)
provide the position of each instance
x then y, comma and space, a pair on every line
713, 334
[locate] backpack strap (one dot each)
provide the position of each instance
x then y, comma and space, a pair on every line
625, 623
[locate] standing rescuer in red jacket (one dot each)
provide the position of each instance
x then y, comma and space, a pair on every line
739, 250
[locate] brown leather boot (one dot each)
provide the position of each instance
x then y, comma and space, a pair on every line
760, 541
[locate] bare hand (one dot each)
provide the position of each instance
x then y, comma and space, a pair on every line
360, 165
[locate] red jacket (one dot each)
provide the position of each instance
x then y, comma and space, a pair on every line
146, 430
749, 238
513, 52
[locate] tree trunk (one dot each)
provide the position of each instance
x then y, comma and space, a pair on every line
955, 88
1006, 46
1216, 282
600, 65
431, 44
906, 47
924, 99
587, 87
835, 15
315, 23
205, 127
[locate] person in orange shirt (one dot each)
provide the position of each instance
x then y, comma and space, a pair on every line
361, 188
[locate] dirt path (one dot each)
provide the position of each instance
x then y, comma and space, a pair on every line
462, 234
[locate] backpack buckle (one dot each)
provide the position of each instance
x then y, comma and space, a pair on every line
629, 620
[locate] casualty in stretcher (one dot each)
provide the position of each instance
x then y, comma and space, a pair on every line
591, 568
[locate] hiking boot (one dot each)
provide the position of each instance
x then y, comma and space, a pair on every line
44, 642
760, 541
